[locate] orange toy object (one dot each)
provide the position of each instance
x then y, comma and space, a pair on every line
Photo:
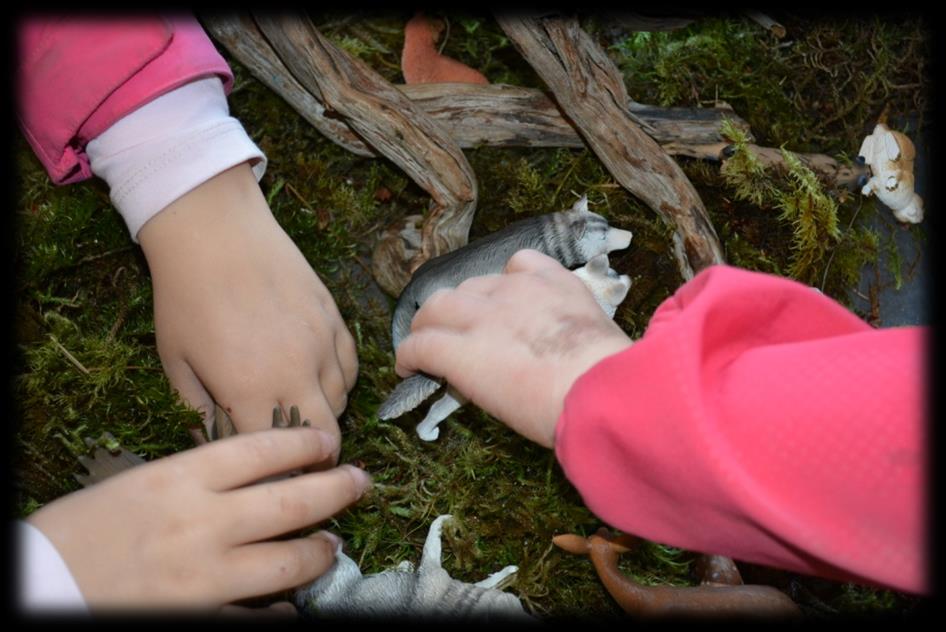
722, 592
420, 61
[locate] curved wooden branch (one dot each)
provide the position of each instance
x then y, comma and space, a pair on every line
240, 35
474, 115
829, 170
502, 115
497, 115
388, 121
590, 90
512, 116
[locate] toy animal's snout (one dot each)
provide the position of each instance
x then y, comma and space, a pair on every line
618, 239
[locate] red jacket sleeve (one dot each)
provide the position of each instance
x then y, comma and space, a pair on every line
78, 75
759, 419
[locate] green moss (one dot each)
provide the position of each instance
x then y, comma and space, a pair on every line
654, 564
743, 172
859, 248
819, 90
894, 262
813, 216
794, 190
868, 600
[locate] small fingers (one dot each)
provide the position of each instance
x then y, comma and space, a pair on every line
483, 284
246, 458
345, 349
294, 503
528, 260
250, 415
347, 353
332, 384
191, 389
432, 351
268, 567
452, 310
314, 408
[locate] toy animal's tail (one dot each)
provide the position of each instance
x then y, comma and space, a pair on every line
710, 598
407, 395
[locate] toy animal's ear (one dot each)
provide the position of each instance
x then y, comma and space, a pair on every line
891, 146
581, 206
867, 147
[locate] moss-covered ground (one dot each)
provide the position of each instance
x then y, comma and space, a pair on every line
87, 361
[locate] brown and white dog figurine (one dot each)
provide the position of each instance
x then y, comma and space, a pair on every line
890, 156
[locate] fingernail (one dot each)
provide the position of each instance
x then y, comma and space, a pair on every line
329, 440
336, 541
362, 478
284, 608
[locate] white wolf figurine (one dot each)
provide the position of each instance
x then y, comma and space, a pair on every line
427, 592
573, 237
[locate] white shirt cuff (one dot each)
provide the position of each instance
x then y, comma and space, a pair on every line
45, 584
169, 146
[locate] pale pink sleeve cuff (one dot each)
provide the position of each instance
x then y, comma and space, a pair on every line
45, 583
168, 147
79, 73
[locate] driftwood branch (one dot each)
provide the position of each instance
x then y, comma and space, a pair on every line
499, 114
511, 116
474, 115
388, 121
767, 23
240, 35
590, 90
831, 172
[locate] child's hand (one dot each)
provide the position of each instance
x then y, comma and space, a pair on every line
189, 531
513, 343
241, 318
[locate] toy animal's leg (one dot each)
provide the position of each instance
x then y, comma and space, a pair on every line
432, 549
222, 426
106, 462
718, 570
912, 213
497, 578
441, 409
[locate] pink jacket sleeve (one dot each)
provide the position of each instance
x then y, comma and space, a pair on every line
759, 419
78, 75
